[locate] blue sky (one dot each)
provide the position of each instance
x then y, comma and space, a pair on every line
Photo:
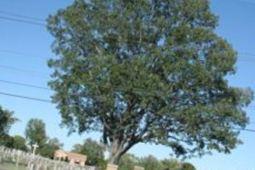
33, 43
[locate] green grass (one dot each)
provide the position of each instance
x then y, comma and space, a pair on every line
9, 166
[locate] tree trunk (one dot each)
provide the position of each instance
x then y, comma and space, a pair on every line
116, 151
114, 158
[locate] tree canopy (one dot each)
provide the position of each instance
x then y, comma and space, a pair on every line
6, 120
19, 143
146, 71
35, 133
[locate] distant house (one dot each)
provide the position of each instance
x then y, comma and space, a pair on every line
73, 158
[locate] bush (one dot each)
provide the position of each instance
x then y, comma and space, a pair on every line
188, 166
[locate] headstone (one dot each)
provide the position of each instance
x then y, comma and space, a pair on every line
138, 168
18, 159
35, 146
36, 162
112, 167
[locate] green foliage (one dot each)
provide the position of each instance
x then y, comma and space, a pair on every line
188, 166
171, 164
19, 143
48, 149
6, 120
146, 71
93, 150
6, 140
101, 163
35, 132
150, 163
16, 142
128, 161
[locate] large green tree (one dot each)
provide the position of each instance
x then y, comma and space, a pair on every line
146, 71
35, 133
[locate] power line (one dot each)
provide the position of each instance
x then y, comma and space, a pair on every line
245, 129
23, 54
23, 70
22, 16
23, 84
251, 122
247, 54
249, 130
246, 2
22, 21
25, 97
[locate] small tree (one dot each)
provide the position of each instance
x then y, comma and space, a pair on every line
188, 166
6, 141
128, 161
48, 149
150, 163
6, 121
146, 71
19, 143
35, 133
170, 164
93, 150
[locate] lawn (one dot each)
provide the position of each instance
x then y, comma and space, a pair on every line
9, 166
